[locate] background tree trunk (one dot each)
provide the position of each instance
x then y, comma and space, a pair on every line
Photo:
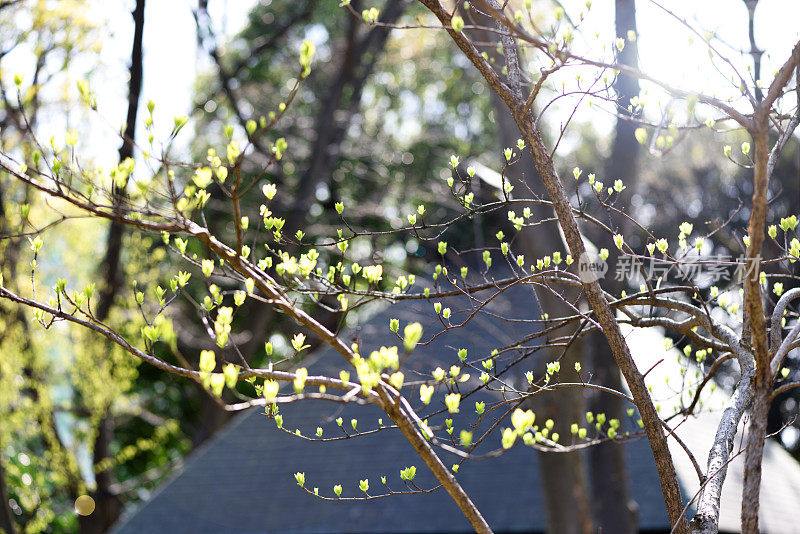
361, 51
108, 505
612, 507
6, 516
563, 475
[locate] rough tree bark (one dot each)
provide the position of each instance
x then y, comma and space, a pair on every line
605, 317
523, 116
763, 379
563, 475
759, 357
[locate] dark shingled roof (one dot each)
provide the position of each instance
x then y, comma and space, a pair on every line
242, 480
243, 483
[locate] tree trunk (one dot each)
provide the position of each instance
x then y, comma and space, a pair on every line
612, 507
563, 477
6, 516
108, 505
356, 64
756, 434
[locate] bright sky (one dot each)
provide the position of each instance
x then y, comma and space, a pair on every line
666, 51
172, 61
171, 58
670, 52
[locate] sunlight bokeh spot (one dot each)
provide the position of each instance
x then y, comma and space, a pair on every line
84, 505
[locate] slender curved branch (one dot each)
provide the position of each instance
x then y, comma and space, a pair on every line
777, 315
